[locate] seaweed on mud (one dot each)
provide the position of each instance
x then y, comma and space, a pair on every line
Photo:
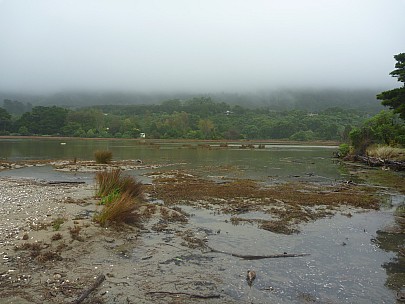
291, 203
75, 233
190, 240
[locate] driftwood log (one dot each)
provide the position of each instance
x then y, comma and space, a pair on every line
88, 291
259, 257
65, 182
191, 295
379, 162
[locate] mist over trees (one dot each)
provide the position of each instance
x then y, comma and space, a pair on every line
279, 100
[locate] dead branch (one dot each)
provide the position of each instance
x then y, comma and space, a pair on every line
65, 182
259, 257
88, 291
191, 295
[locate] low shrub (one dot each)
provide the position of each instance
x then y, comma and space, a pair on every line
344, 150
103, 157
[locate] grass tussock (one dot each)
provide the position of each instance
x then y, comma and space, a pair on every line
386, 152
121, 196
111, 183
103, 157
120, 210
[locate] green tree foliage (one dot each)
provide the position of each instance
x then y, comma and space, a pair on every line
395, 99
195, 118
384, 128
43, 120
5, 121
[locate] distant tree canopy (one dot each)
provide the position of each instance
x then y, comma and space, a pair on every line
16, 107
42, 120
395, 99
203, 118
5, 121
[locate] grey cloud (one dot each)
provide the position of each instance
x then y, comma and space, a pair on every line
225, 45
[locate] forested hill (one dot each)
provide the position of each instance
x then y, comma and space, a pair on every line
194, 118
279, 100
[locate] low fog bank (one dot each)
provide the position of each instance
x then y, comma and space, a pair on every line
279, 100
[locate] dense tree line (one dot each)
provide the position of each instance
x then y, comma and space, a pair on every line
194, 118
388, 127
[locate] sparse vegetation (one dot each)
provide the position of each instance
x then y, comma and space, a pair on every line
56, 237
57, 223
103, 157
287, 204
75, 233
386, 152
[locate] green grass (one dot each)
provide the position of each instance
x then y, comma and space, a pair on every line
57, 223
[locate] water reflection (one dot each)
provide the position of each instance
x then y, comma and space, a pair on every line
392, 239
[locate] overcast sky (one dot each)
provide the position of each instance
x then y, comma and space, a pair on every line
204, 46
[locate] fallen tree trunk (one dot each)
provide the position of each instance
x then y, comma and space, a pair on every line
259, 257
379, 162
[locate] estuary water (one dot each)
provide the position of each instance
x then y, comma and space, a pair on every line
351, 260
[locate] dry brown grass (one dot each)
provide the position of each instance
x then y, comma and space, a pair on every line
121, 210
112, 181
386, 152
121, 196
103, 157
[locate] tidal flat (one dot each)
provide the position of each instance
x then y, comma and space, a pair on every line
308, 242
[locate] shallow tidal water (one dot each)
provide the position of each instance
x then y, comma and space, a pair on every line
344, 265
347, 263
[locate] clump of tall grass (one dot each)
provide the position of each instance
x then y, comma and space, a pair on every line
121, 196
103, 157
386, 152
111, 182
120, 210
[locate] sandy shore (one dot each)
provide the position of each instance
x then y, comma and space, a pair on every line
52, 252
